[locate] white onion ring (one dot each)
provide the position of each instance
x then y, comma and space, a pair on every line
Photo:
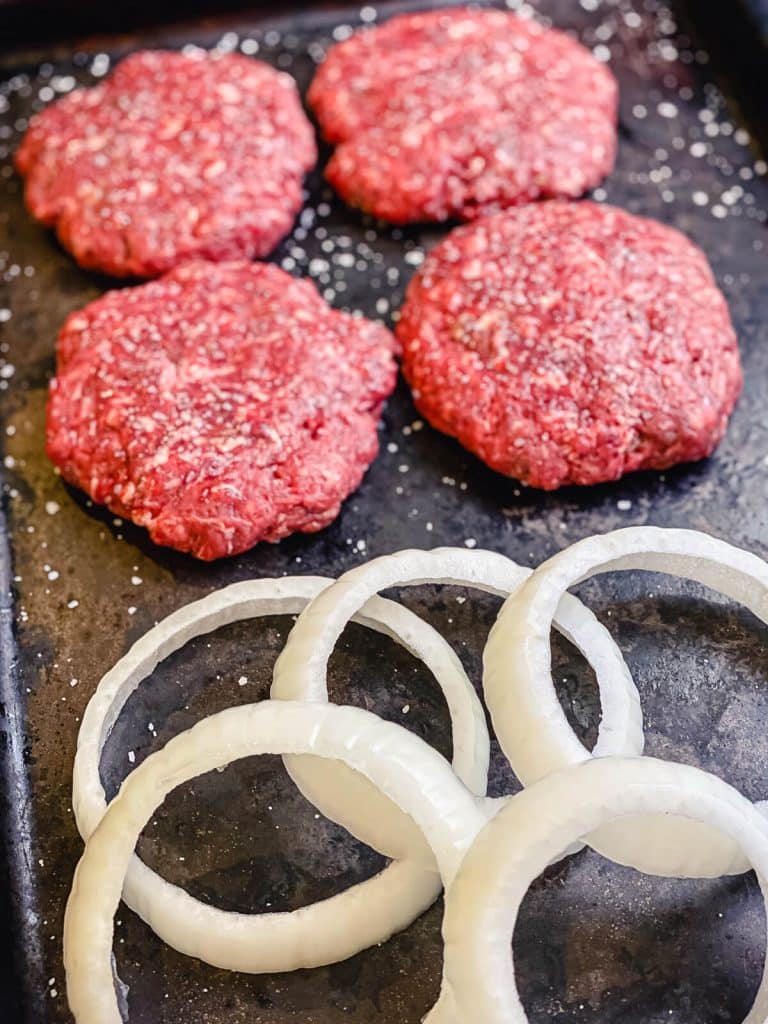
360, 917
416, 777
301, 668
483, 902
529, 722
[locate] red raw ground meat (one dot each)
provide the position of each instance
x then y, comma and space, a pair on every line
224, 404
175, 156
461, 113
569, 343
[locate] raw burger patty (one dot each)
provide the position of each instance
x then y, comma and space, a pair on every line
569, 343
459, 113
224, 404
174, 156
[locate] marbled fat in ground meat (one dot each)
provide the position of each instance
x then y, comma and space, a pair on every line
175, 156
460, 113
569, 343
221, 405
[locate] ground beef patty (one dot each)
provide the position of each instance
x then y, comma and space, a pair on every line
459, 113
569, 343
224, 404
175, 156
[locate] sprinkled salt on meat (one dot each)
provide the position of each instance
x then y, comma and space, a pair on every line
460, 113
221, 405
569, 343
175, 156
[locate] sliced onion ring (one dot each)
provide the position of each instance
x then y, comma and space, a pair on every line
413, 775
531, 726
300, 671
353, 920
482, 903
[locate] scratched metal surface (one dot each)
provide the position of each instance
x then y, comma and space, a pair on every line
596, 943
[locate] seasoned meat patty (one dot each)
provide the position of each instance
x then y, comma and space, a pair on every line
569, 343
221, 405
175, 156
460, 113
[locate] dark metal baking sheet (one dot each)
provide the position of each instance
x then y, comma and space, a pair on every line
596, 943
